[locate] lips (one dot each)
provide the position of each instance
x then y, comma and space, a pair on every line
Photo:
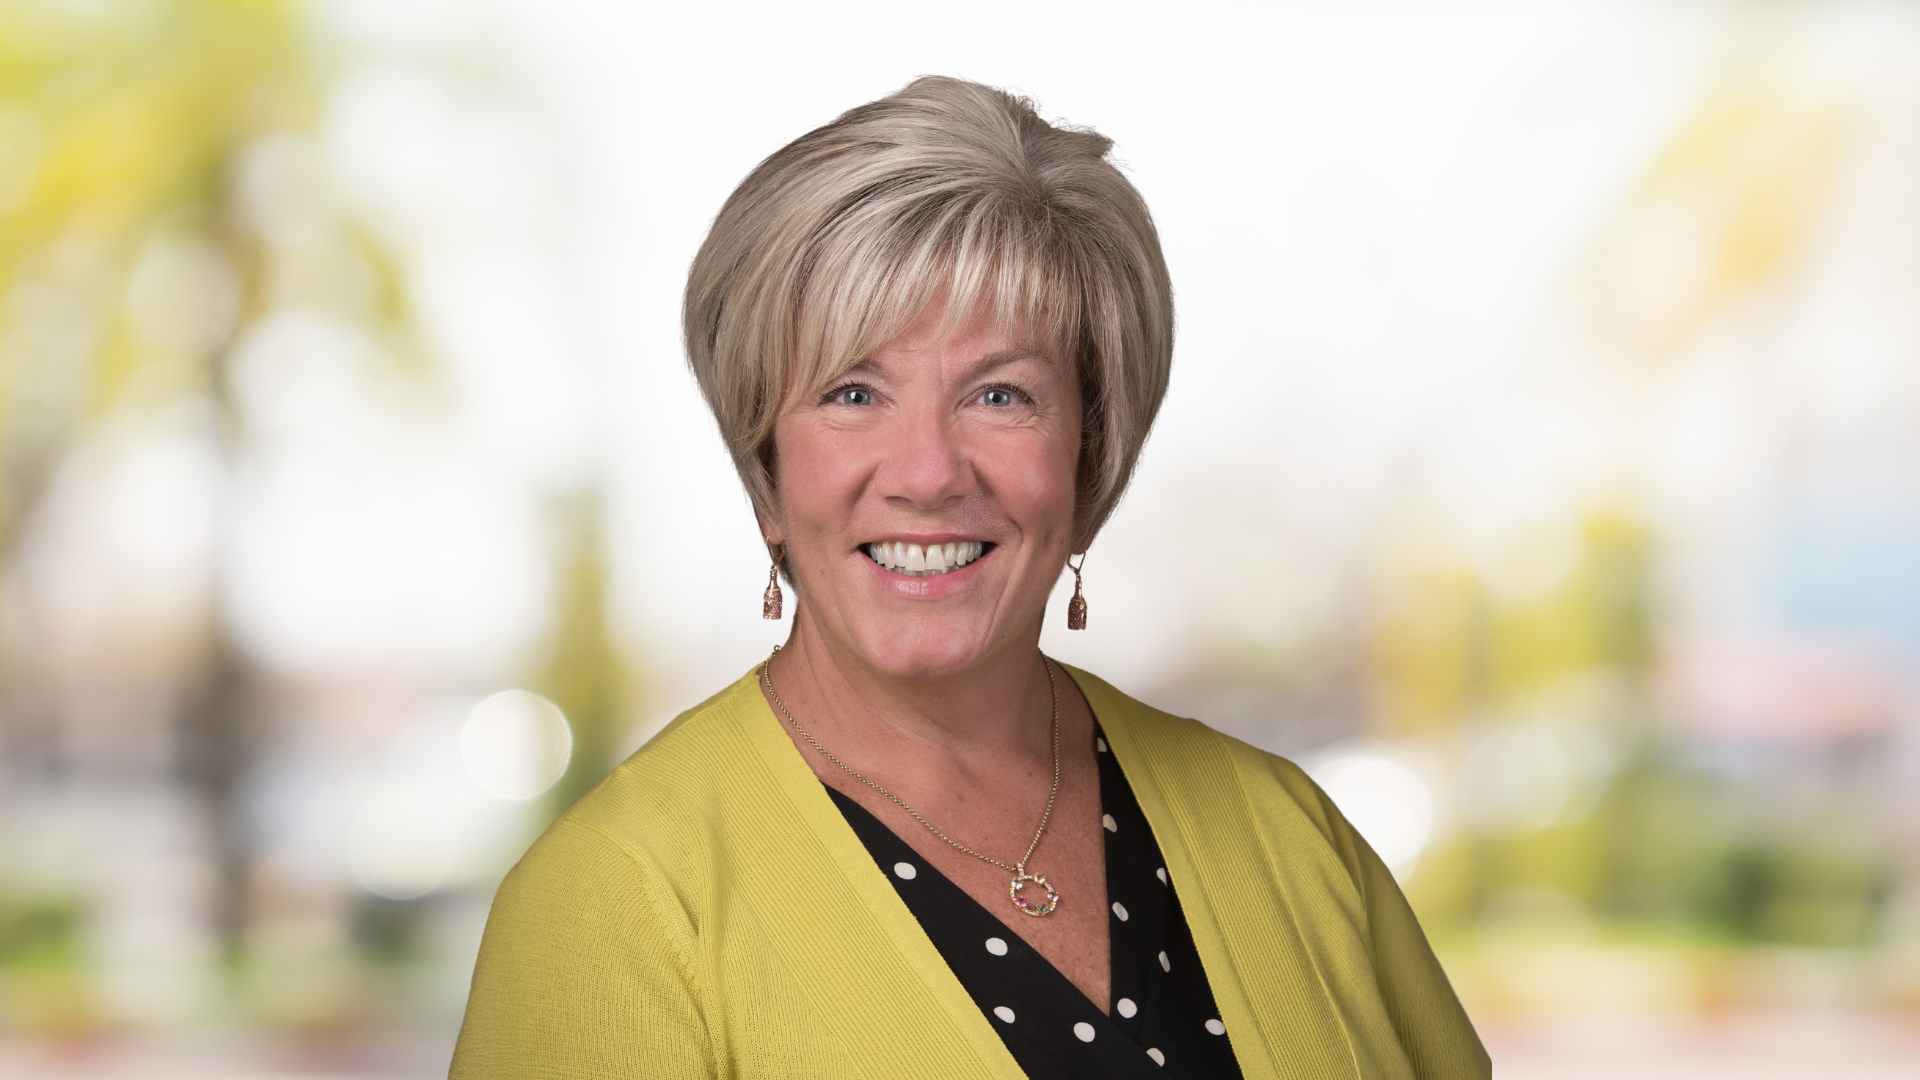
929, 560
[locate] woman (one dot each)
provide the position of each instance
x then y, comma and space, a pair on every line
934, 333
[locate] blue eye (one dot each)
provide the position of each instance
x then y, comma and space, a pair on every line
854, 395
997, 397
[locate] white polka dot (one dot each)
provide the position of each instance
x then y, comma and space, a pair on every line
1215, 1027
1125, 1007
905, 871
996, 946
1101, 743
1158, 1057
1003, 1013
1107, 820
1164, 966
1161, 874
1083, 1031
1119, 911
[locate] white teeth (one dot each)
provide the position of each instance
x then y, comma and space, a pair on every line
918, 561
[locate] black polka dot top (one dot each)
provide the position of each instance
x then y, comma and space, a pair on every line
1162, 1020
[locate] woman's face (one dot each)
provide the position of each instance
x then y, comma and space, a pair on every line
952, 459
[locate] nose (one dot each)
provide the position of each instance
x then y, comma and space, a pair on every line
926, 467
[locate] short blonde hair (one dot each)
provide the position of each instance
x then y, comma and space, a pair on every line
832, 247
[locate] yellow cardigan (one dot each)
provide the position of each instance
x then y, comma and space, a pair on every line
707, 912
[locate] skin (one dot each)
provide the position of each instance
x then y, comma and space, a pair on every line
934, 687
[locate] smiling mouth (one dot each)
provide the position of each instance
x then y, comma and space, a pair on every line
913, 560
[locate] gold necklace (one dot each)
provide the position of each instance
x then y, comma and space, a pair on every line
1021, 879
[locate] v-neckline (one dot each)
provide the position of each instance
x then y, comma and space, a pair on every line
1050, 1026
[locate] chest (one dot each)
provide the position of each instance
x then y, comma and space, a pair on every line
1070, 856
1146, 1011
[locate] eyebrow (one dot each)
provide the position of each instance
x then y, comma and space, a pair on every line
984, 364
1004, 357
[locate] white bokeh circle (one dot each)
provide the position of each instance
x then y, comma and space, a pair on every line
515, 744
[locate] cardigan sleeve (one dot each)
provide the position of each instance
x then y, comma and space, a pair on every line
584, 971
1433, 1028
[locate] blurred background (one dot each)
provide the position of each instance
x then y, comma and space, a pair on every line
1541, 469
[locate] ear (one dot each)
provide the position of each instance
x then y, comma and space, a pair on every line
763, 494
772, 533
1081, 544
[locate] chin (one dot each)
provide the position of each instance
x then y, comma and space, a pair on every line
923, 647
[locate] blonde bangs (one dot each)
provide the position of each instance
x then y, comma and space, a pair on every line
869, 291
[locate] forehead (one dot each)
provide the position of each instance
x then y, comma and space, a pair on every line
975, 337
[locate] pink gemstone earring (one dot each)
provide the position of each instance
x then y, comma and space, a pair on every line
771, 601
1077, 607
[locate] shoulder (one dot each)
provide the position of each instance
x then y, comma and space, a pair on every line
1277, 871
655, 815
591, 958
1192, 763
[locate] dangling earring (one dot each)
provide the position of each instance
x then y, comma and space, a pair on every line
771, 600
1077, 607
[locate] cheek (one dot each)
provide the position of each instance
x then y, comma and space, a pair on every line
812, 472
1034, 476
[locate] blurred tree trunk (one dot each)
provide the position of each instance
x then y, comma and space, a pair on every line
584, 674
218, 737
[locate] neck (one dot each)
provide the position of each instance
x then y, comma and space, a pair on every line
998, 706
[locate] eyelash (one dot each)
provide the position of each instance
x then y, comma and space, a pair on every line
832, 395
1025, 398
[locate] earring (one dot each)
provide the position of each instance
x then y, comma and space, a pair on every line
771, 600
1077, 607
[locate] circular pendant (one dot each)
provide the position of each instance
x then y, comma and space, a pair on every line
1032, 905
